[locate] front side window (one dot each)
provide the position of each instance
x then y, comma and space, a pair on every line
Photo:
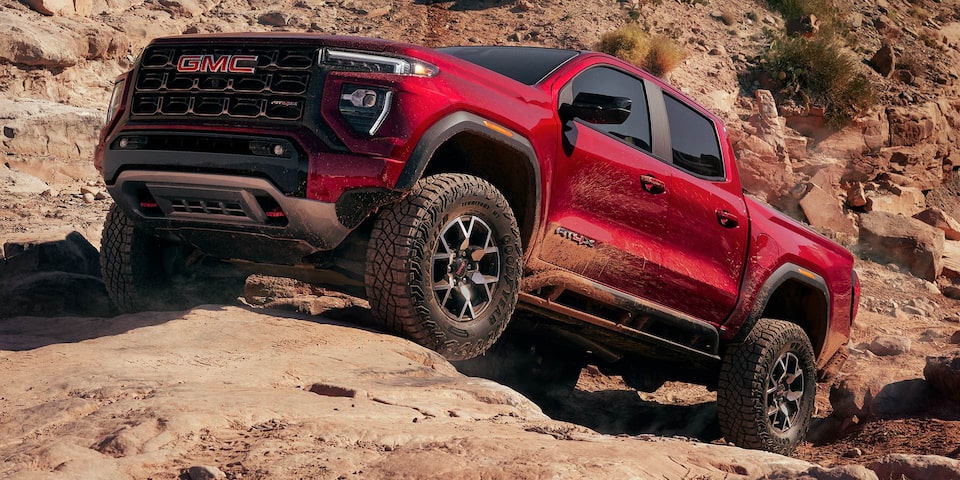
635, 130
695, 145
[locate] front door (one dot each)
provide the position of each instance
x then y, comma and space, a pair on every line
611, 196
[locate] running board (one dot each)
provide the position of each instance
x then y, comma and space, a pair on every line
634, 324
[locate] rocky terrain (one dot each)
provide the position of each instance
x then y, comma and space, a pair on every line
289, 382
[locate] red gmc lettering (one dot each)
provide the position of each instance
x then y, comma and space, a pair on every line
221, 64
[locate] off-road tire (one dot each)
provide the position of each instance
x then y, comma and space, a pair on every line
402, 265
142, 272
756, 376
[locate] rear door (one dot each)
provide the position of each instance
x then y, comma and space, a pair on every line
611, 196
705, 239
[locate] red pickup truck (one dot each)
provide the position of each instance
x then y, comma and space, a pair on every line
453, 186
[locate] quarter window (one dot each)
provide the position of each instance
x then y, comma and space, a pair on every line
635, 130
695, 145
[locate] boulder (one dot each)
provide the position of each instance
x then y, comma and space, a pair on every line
943, 374
49, 252
767, 121
884, 61
14, 181
824, 211
952, 291
906, 241
920, 163
183, 8
938, 218
273, 19
905, 201
868, 397
52, 274
902, 466
764, 175
36, 127
105, 43
81, 8
869, 393
37, 44
888, 346
856, 196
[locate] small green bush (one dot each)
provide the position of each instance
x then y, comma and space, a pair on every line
655, 53
817, 71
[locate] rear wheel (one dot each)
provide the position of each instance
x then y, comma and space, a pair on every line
143, 272
767, 388
443, 265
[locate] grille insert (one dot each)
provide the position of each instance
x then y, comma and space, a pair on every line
208, 207
276, 90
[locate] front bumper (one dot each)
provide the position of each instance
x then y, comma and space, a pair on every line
228, 216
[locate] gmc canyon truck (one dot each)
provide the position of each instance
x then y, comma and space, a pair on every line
451, 186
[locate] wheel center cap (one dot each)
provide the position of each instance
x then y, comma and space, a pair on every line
459, 267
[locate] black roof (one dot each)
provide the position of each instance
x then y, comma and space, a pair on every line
528, 65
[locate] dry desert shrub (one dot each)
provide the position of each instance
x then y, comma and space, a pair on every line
656, 54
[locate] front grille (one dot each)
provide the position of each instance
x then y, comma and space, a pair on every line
275, 88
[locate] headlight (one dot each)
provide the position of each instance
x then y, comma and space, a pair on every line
116, 98
367, 62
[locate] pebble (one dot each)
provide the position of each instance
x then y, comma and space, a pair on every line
955, 338
89, 198
854, 453
913, 310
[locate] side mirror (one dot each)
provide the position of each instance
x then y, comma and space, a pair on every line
597, 108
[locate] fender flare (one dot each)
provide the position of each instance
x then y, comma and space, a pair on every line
787, 271
460, 122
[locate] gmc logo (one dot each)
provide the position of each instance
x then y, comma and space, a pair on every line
221, 64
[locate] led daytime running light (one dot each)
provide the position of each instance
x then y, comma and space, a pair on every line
366, 62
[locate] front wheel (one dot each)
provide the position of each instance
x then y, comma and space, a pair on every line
767, 388
443, 265
144, 272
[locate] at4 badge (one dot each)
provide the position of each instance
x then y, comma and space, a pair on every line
576, 237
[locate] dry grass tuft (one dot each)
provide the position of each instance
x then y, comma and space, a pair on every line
656, 54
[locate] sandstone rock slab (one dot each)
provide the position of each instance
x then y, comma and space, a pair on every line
35, 127
936, 217
916, 466
903, 240
37, 44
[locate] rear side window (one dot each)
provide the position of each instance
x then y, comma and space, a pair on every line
635, 130
694, 137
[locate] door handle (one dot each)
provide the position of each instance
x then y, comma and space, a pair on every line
652, 185
727, 219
